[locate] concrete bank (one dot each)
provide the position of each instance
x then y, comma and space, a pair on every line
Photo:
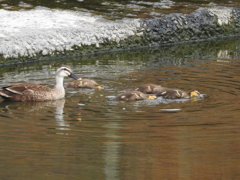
46, 34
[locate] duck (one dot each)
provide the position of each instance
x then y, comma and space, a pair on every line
84, 83
134, 95
178, 93
165, 92
30, 92
149, 88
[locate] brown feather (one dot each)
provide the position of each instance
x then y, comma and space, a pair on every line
173, 94
36, 92
132, 95
177, 93
84, 83
24, 92
163, 91
20, 88
150, 88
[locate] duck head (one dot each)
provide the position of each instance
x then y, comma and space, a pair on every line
194, 93
64, 71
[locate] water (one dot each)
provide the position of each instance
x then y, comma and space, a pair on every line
117, 9
89, 136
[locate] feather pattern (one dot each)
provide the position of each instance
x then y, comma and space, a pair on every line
173, 94
166, 92
134, 95
84, 83
149, 88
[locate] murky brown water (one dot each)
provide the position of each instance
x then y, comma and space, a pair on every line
89, 136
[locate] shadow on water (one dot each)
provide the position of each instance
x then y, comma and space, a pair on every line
88, 135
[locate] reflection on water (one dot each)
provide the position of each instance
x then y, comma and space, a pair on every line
112, 157
38, 109
89, 136
112, 151
59, 115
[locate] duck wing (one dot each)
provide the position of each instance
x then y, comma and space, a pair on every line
17, 90
150, 88
84, 83
172, 94
20, 88
131, 95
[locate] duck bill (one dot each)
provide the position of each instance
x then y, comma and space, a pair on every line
152, 97
100, 87
73, 76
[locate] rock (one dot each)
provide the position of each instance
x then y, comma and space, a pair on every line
44, 32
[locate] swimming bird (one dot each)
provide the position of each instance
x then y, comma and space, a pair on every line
149, 88
84, 83
167, 92
27, 92
134, 95
177, 93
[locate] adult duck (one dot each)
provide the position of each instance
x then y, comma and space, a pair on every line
27, 92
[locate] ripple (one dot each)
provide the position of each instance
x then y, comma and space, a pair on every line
171, 110
102, 136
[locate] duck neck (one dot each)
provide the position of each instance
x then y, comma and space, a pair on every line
59, 82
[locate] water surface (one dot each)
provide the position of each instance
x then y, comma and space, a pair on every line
89, 136
117, 9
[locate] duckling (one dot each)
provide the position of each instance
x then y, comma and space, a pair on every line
84, 83
167, 92
134, 95
149, 88
26, 92
177, 93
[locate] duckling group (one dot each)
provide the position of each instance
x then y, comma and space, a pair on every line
152, 91
27, 92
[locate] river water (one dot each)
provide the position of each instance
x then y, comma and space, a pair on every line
89, 136
117, 9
